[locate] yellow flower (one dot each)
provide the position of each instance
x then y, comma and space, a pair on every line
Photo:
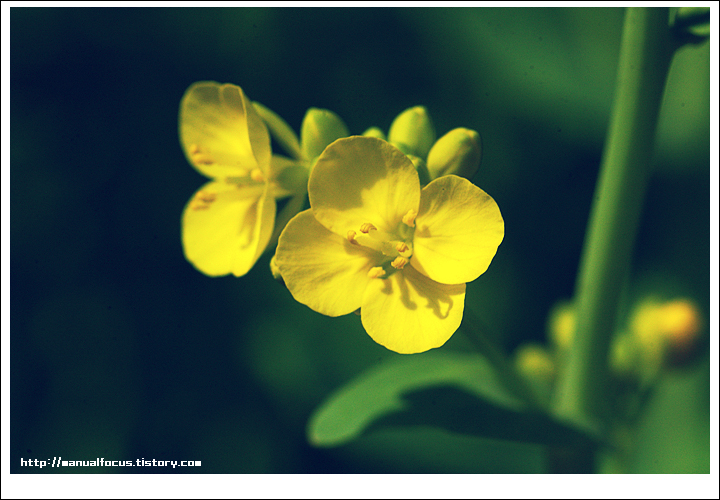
228, 222
667, 332
373, 239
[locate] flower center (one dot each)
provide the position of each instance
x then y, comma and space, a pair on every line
200, 156
396, 248
203, 199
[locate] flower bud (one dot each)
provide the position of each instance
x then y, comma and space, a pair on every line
561, 325
320, 127
537, 366
651, 345
457, 152
535, 361
375, 132
667, 331
681, 325
412, 132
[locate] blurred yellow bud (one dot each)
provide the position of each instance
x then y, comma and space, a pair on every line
534, 361
651, 343
536, 365
412, 132
668, 331
644, 321
561, 325
681, 324
375, 132
457, 152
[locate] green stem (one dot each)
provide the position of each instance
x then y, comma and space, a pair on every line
646, 51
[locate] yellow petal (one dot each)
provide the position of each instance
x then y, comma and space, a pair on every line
361, 180
226, 228
322, 270
410, 313
221, 132
459, 228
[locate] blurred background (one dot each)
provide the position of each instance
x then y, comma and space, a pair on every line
121, 349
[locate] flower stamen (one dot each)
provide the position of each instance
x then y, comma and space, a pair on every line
409, 218
197, 157
376, 272
394, 246
399, 262
202, 200
257, 175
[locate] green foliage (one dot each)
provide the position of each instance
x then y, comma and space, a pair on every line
457, 392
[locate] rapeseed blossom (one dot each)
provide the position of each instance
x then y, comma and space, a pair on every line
228, 222
375, 240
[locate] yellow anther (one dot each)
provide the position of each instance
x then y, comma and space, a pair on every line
367, 227
257, 175
198, 158
206, 196
401, 247
351, 237
376, 272
409, 218
399, 262
202, 200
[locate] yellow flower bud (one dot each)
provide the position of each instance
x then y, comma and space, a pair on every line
681, 325
320, 127
457, 152
667, 331
412, 132
644, 321
375, 132
561, 325
537, 366
651, 344
534, 361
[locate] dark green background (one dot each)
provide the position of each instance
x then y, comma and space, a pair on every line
121, 349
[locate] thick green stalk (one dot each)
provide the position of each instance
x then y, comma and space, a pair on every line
646, 51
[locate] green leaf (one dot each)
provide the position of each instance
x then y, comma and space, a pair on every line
457, 392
